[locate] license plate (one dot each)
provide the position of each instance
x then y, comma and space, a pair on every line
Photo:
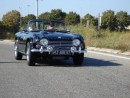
61, 52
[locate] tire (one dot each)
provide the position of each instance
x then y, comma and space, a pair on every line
17, 54
78, 58
30, 56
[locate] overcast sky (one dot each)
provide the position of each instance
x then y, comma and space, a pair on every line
81, 7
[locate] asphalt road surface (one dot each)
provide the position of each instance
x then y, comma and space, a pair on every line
100, 76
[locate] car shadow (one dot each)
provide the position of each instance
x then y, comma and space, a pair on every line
8, 62
92, 62
55, 63
88, 62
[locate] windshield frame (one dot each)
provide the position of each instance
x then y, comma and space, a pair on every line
33, 25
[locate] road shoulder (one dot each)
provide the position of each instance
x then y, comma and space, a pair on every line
111, 51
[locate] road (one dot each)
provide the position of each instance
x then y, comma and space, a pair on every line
100, 76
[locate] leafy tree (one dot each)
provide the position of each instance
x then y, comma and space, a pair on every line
11, 20
27, 18
109, 20
95, 21
121, 18
128, 19
0, 24
72, 18
57, 14
88, 16
90, 19
45, 15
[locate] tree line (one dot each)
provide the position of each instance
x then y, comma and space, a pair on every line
12, 20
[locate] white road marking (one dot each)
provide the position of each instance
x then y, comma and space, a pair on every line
117, 56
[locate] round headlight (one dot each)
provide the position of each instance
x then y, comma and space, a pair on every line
44, 42
76, 42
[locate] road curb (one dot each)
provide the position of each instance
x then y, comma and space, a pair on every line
112, 51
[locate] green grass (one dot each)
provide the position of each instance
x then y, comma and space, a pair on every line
104, 38
114, 40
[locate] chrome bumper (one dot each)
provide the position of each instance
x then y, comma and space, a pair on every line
41, 50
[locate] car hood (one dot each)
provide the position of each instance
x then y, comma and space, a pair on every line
57, 36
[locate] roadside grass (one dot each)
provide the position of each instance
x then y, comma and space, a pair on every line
114, 40
103, 38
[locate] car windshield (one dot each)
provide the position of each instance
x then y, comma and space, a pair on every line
46, 25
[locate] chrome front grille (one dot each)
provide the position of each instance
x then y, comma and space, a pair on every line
61, 43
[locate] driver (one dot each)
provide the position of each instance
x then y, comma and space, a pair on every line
50, 26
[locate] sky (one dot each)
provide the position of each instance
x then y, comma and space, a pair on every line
81, 7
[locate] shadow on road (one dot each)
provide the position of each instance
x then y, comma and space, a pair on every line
91, 62
6, 62
88, 62
56, 63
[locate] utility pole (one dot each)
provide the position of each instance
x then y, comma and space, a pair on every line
99, 21
37, 9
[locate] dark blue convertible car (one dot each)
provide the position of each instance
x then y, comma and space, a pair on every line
48, 39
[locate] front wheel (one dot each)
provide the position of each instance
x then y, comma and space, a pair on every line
30, 56
78, 58
17, 54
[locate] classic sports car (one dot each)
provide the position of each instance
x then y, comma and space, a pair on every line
47, 39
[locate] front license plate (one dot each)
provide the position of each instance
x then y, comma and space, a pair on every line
62, 52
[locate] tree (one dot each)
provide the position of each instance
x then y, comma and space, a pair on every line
11, 20
27, 18
121, 18
0, 24
72, 18
128, 19
109, 20
90, 20
45, 15
57, 14
95, 21
88, 16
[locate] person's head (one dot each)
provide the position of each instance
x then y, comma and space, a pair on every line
50, 26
